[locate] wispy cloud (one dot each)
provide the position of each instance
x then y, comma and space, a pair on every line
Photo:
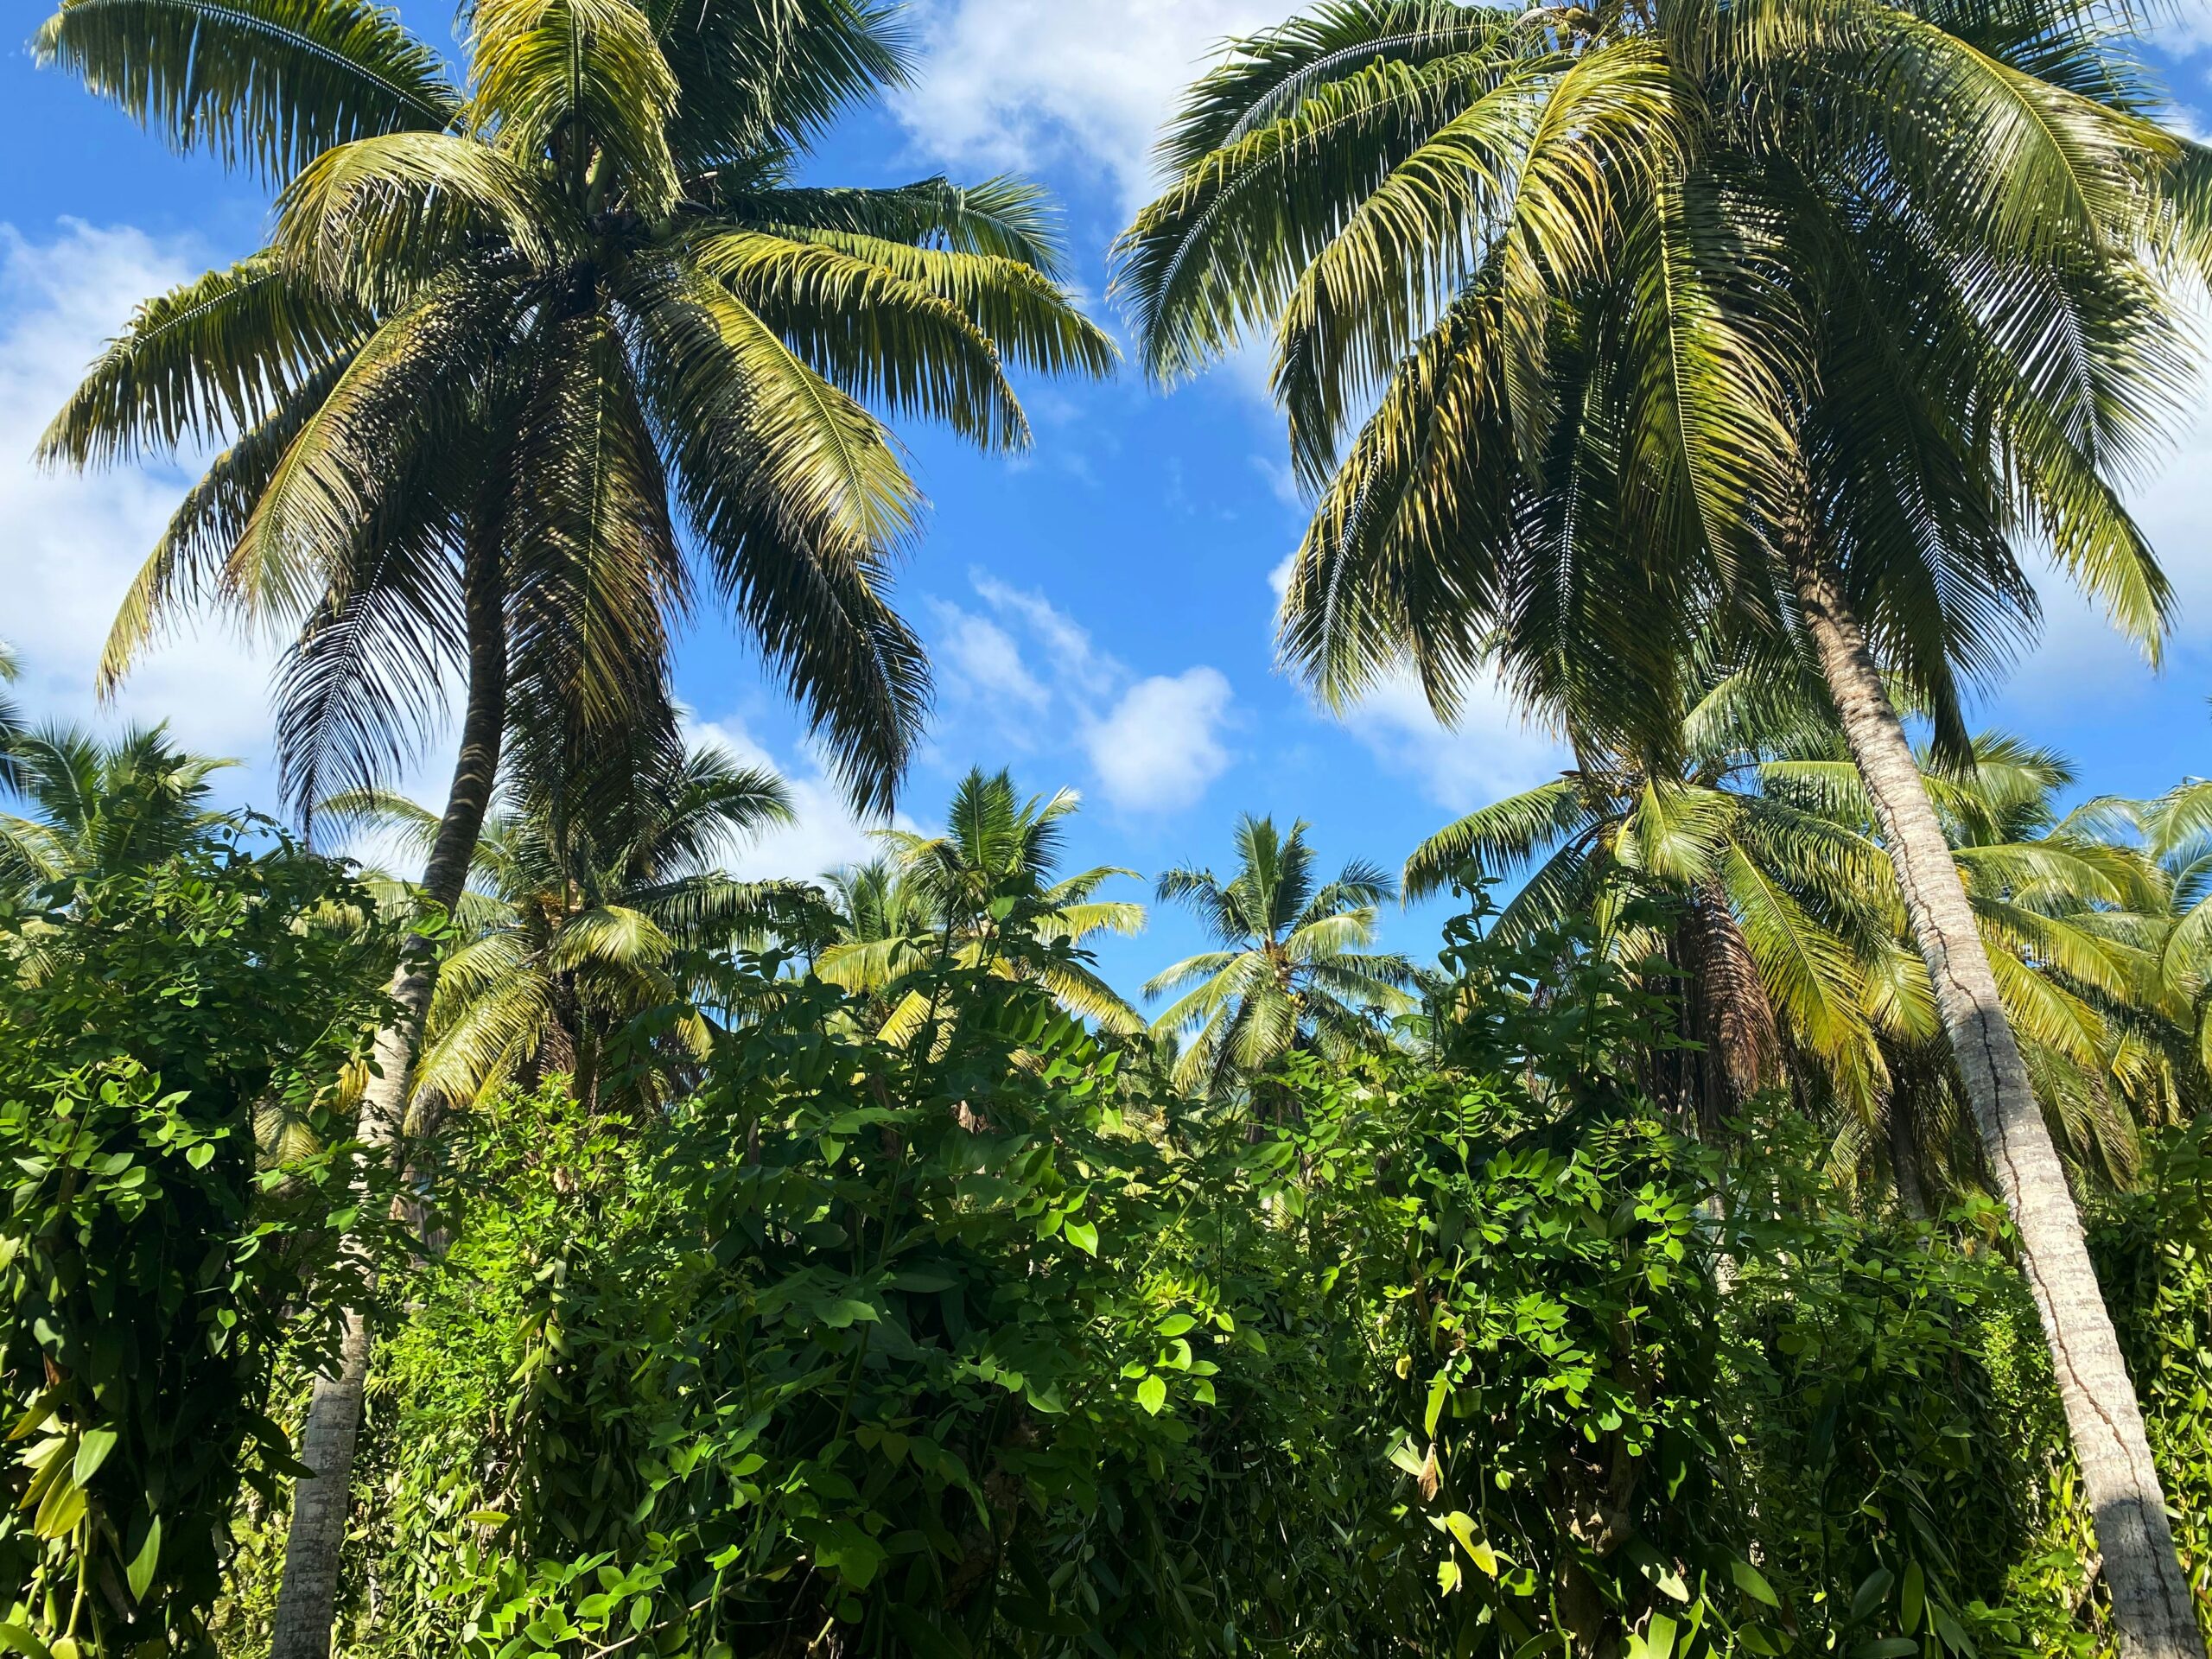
74, 540
1073, 83
1155, 743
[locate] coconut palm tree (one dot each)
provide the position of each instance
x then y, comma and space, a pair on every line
568, 935
11, 717
1294, 968
2177, 829
1605, 331
986, 894
98, 805
1794, 947
2070, 920
1781, 929
511, 333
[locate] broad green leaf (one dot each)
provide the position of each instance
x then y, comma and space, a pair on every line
1752, 1583
140, 1573
1151, 1395
1914, 1600
92, 1451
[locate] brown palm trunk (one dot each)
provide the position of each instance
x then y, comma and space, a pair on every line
2150, 1598
1735, 1017
308, 1599
1902, 1123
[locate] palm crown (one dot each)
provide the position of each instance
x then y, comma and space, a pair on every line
1294, 964
562, 307
1576, 312
987, 892
100, 806
567, 935
1793, 938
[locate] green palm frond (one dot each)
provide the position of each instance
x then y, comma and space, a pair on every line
1003, 218
1501, 838
874, 333
264, 83
541, 68
219, 355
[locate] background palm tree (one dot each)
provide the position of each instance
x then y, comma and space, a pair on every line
2177, 829
570, 933
508, 336
1795, 948
100, 806
1295, 968
1681, 323
11, 716
986, 894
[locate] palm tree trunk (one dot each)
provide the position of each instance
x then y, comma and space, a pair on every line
1902, 1123
308, 1599
2150, 1598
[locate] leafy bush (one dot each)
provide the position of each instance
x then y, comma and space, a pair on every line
982, 1341
151, 1268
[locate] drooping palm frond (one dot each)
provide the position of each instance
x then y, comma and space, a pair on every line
264, 84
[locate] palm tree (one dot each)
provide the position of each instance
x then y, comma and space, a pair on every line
570, 934
509, 334
97, 807
1782, 323
985, 894
2070, 920
1294, 968
2178, 830
1794, 946
11, 717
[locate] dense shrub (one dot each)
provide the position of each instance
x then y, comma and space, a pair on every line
981, 1343
152, 1266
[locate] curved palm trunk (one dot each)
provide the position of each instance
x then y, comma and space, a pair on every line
308, 1599
2150, 1598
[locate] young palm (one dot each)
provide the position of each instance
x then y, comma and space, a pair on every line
2070, 920
1781, 929
572, 931
1294, 968
987, 893
1792, 322
1795, 947
509, 334
98, 806
2176, 828
11, 717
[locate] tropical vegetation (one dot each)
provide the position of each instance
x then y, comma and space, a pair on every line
1615, 340
1774, 1215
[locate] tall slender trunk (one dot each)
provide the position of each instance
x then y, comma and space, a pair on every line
2150, 1598
308, 1599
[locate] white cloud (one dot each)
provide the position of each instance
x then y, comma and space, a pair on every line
826, 833
1019, 83
1492, 752
1161, 748
74, 541
1155, 743
2081, 655
1067, 643
984, 659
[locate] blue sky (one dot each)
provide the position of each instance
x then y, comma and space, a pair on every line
1100, 609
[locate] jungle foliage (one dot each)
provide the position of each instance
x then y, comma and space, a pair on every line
982, 1338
